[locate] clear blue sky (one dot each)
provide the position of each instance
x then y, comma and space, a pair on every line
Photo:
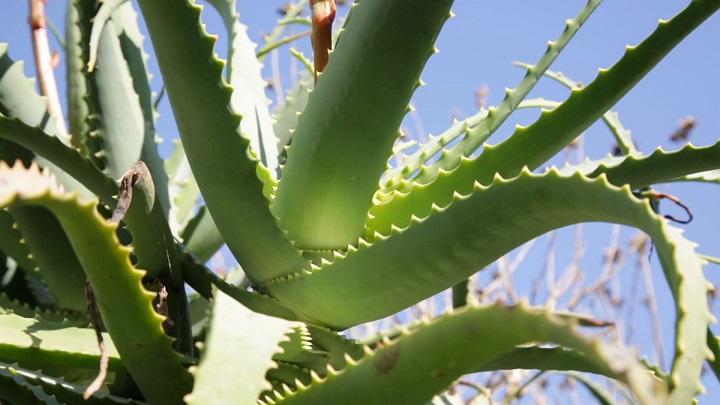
477, 48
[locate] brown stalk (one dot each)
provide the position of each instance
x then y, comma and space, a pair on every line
44, 64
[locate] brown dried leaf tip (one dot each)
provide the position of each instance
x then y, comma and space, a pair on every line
136, 174
683, 133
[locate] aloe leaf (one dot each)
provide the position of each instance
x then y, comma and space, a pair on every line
234, 184
298, 349
544, 358
47, 343
244, 73
658, 167
82, 91
126, 307
683, 271
49, 389
240, 344
18, 97
199, 232
19, 392
125, 19
155, 245
339, 347
287, 374
622, 135
120, 120
8, 305
497, 115
597, 392
10, 242
286, 114
57, 264
125, 129
154, 248
77, 34
292, 13
67, 159
714, 344
107, 7
412, 163
504, 215
375, 58
533, 145
434, 354
201, 236
710, 176
184, 191
512, 211
202, 280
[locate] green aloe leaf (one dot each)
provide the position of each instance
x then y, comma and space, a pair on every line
121, 96
286, 114
544, 358
77, 36
11, 244
714, 344
184, 191
235, 333
244, 73
203, 280
533, 145
599, 393
8, 305
341, 117
126, 307
48, 390
19, 100
503, 215
689, 163
57, 264
201, 236
412, 163
429, 357
710, 176
612, 120
234, 184
44, 343
496, 116
292, 13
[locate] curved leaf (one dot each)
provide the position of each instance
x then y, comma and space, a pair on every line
431, 356
244, 73
341, 117
55, 390
496, 116
47, 343
533, 145
240, 346
658, 167
234, 184
126, 307
57, 264
65, 158
451, 242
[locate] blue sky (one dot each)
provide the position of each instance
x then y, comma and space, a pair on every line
477, 48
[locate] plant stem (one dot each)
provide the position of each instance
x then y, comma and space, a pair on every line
43, 64
269, 47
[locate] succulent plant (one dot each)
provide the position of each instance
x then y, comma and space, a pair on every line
328, 234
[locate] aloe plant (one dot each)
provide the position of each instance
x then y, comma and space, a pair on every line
327, 233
